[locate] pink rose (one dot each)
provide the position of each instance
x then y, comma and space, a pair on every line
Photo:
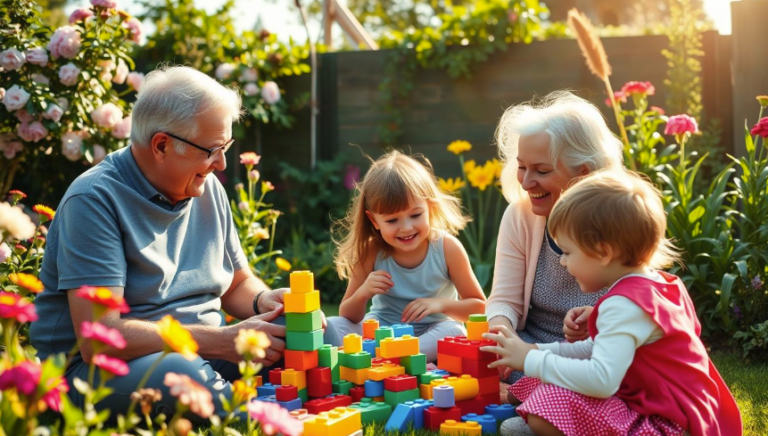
106, 66
270, 92
251, 89
107, 115
249, 75
33, 132
72, 145
12, 146
15, 98
2, 94
135, 80
680, 124
53, 113
109, 4
121, 73
11, 59
80, 14
135, 28
639, 88
122, 130
41, 79
225, 70
23, 116
65, 42
761, 128
37, 56
69, 74
99, 153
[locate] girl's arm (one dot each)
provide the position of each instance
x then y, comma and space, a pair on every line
364, 283
469, 289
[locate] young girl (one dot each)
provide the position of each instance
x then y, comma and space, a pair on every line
644, 370
399, 250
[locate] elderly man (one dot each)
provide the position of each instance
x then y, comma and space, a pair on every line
153, 225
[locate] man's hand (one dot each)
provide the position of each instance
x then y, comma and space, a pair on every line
575, 324
272, 300
263, 323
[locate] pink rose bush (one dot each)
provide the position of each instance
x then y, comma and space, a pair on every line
80, 14
33, 132
69, 74
107, 115
15, 98
134, 80
65, 42
12, 59
122, 130
37, 56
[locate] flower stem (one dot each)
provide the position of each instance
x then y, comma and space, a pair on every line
144, 381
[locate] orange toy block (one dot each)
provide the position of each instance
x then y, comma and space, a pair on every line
405, 345
302, 282
356, 376
476, 329
301, 303
291, 377
259, 381
336, 422
369, 328
300, 360
470, 428
464, 388
379, 373
353, 343
378, 399
449, 363
425, 391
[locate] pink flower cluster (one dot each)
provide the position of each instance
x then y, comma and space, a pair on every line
99, 332
134, 26
65, 42
274, 419
112, 365
14, 306
32, 132
80, 14
640, 88
25, 378
681, 124
107, 115
761, 128
190, 393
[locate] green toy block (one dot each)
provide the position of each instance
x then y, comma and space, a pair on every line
477, 318
371, 411
303, 395
304, 341
356, 360
342, 387
415, 364
328, 356
427, 377
383, 332
395, 398
304, 322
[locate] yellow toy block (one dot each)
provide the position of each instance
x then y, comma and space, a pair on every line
259, 381
301, 303
425, 391
356, 376
291, 377
302, 282
476, 329
470, 428
353, 343
432, 384
405, 345
465, 387
379, 373
378, 399
337, 422
378, 352
369, 328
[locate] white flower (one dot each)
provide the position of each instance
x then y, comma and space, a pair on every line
121, 73
14, 222
12, 59
5, 252
225, 70
72, 145
37, 56
251, 89
249, 75
15, 98
270, 92
68, 74
53, 113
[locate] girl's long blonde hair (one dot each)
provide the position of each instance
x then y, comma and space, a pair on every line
385, 189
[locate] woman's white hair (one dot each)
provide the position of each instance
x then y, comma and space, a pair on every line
170, 100
578, 136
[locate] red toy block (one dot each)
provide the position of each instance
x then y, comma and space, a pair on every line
475, 405
449, 363
357, 393
300, 360
434, 416
478, 368
489, 385
381, 360
399, 383
326, 404
460, 346
276, 376
286, 393
319, 382
488, 399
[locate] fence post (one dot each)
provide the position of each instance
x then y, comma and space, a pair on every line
749, 65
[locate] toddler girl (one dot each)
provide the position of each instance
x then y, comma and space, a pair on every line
644, 369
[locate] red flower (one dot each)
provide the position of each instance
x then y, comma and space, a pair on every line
44, 211
13, 306
24, 377
618, 96
105, 335
112, 365
761, 128
680, 124
55, 388
640, 88
17, 195
103, 297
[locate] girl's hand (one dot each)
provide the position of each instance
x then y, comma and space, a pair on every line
575, 325
378, 282
511, 349
417, 309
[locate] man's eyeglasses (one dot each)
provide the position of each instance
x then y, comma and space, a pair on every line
212, 152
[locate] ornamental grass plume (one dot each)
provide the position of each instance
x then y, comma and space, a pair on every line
177, 338
27, 282
191, 394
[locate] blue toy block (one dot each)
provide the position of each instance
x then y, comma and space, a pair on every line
419, 406
487, 422
267, 398
501, 412
444, 396
266, 390
402, 329
291, 405
440, 372
374, 388
369, 346
400, 418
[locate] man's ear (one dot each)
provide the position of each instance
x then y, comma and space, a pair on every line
372, 219
159, 145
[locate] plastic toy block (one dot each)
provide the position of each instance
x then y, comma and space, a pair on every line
369, 346
258, 381
336, 422
399, 347
473, 405
329, 356
301, 303
475, 330
267, 399
464, 387
487, 422
342, 387
355, 361
380, 360
400, 383
378, 399
294, 378
394, 398
319, 405
427, 377
378, 353
357, 393
286, 393
435, 416
443, 396
369, 328
303, 395
402, 330
300, 360
301, 414
374, 388
266, 390
290, 405
356, 376
372, 411
419, 406
415, 364
488, 385
501, 412
461, 346
379, 373
463, 428
304, 322
449, 363
383, 332
320, 383
478, 317
432, 384
275, 376
441, 372
302, 282
478, 368
425, 391
304, 341
353, 343
402, 415
491, 398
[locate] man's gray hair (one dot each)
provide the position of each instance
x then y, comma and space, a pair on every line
170, 100
578, 136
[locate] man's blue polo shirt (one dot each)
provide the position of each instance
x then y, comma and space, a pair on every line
113, 228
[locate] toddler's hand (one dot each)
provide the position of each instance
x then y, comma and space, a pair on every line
417, 309
511, 349
575, 326
378, 282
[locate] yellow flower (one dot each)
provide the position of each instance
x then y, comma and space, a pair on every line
251, 344
458, 147
494, 167
451, 185
261, 233
241, 392
283, 264
469, 166
763, 100
480, 177
177, 338
27, 281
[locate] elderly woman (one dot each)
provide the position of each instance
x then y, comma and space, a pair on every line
545, 146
